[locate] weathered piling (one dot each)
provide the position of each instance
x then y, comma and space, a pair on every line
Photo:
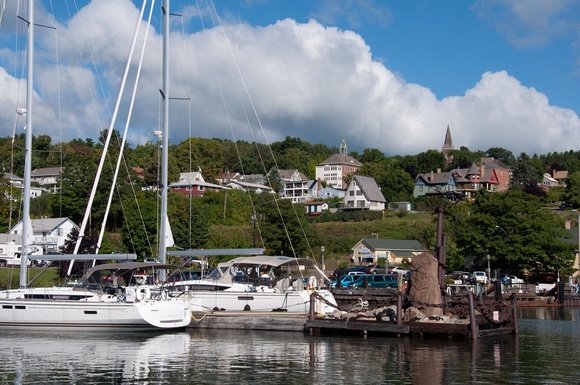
472, 320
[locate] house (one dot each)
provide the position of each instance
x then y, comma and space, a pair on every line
11, 247
315, 208
140, 172
292, 175
363, 193
369, 250
229, 176
501, 171
336, 167
300, 191
256, 179
257, 188
561, 177
48, 233
18, 183
548, 182
442, 184
192, 183
330, 192
47, 178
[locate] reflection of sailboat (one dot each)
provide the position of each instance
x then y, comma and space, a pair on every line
109, 297
80, 358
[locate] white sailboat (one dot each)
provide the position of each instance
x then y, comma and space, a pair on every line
110, 297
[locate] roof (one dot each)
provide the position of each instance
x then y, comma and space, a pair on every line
369, 188
560, 174
441, 178
394, 245
342, 159
46, 224
448, 145
490, 162
46, 171
473, 170
314, 203
249, 185
288, 174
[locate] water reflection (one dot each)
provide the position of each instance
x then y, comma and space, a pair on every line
544, 352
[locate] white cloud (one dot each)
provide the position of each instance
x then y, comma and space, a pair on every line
306, 80
530, 23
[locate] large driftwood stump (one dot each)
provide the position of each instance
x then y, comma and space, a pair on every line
425, 289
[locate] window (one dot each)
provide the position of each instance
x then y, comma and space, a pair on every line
351, 193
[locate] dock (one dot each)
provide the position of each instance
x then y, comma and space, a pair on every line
250, 320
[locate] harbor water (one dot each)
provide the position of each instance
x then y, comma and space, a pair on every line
547, 351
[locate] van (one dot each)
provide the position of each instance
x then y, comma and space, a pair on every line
376, 280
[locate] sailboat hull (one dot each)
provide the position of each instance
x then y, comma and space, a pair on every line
92, 313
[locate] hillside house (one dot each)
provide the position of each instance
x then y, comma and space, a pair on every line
363, 193
192, 183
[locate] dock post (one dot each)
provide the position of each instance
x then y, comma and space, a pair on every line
399, 308
515, 314
497, 288
473, 322
312, 305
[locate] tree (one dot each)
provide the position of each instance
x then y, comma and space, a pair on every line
573, 189
285, 229
518, 235
397, 186
524, 174
503, 155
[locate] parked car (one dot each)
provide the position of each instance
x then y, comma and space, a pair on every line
508, 279
345, 280
375, 269
376, 280
398, 270
338, 272
478, 277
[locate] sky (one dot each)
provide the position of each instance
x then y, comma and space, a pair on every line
384, 74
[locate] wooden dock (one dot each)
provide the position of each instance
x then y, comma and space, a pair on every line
249, 320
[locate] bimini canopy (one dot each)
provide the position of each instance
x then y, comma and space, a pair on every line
273, 261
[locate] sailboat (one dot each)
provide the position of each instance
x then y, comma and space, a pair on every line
110, 297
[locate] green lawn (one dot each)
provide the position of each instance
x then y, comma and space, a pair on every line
10, 277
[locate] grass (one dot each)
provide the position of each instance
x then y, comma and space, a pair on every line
10, 277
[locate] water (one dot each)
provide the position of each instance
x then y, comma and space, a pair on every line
547, 351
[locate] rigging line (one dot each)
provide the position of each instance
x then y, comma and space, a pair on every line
110, 131
59, 108
121, 158
231, 126
254, 214
247, 93
85, 67
19, 75
94, 63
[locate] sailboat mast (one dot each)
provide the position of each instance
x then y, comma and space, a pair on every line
165, 136
26, 226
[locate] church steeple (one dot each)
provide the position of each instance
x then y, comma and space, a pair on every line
448, 145
343, 149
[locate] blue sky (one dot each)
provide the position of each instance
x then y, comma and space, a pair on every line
380, 74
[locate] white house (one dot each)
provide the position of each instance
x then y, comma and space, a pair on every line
363, 193
47, 178
315, 208
48, 233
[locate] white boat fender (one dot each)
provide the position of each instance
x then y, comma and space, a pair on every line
144, 293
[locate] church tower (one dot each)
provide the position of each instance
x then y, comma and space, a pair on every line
343, 149
448, 145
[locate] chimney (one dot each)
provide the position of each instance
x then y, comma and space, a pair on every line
438, 171
482, 168
431, 180
568, 223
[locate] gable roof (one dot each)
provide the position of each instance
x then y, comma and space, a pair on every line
46, 171
439, 178
288, 174
341, 159
46, 224
369, 188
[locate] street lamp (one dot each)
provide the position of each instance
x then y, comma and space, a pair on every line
253, 221
322, 251
488, 270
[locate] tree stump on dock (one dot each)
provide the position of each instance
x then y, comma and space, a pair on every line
425, 292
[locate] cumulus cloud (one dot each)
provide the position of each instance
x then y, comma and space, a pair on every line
305, 80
